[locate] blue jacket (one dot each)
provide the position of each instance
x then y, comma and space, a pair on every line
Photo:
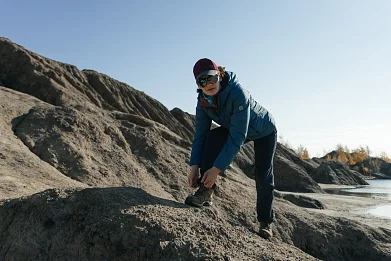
237, 111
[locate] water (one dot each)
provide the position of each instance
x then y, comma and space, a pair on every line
376, 189
381, 211
379, 188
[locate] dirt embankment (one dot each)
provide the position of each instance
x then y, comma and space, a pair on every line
92, 169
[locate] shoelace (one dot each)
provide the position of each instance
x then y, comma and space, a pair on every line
267, 226
200, 191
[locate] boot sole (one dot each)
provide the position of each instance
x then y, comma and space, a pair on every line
205, 204
208, 203
265, 235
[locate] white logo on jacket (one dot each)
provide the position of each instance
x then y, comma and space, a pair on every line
240, 108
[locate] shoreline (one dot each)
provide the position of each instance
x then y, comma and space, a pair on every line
335, 186
351, 207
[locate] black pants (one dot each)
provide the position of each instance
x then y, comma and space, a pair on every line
264, 153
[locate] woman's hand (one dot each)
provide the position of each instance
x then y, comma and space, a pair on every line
210, 177
193, 175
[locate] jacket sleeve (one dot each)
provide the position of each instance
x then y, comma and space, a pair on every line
237, 131
202, 126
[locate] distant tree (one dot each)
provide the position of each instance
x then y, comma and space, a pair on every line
305, 155
351, 160
343, 154
339, 147
366, 171
360, 154
385, 157
368, 151
343, 157
302, 152
283, 141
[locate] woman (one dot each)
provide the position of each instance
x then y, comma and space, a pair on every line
222, 99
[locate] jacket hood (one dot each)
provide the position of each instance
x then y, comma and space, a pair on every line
232, 78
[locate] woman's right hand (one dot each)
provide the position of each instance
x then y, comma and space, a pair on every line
193, 175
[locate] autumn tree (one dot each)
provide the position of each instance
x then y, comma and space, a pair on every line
343, 156
302, 152
360, 154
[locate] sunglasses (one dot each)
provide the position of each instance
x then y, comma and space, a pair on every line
202, 82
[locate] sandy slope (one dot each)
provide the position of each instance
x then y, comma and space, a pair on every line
84, 129
22, 172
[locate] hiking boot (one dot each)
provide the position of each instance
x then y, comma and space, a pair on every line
265, 230
202, 197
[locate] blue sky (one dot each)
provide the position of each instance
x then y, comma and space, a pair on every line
322, 68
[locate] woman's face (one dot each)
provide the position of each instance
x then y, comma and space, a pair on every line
212, 84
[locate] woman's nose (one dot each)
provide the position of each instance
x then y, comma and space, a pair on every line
209, 83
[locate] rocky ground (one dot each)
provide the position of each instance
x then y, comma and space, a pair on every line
92, 169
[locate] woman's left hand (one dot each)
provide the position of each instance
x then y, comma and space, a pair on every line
210, 177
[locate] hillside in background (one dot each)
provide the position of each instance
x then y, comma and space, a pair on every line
360, 161
93, 169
